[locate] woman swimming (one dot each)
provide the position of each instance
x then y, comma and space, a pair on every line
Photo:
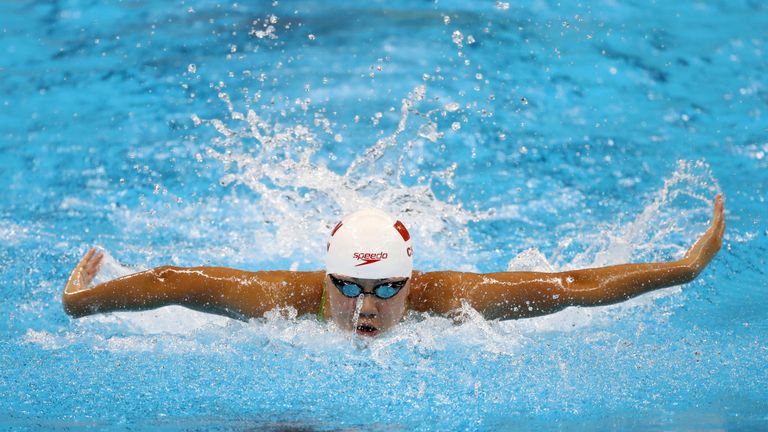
370, 255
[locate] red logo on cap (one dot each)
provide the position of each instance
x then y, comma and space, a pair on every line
336, 228
369, 258
403, 232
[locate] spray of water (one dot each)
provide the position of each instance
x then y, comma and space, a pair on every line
664, 229
299, 197
358, 341
358, 307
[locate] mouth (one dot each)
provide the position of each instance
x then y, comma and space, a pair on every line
367, 330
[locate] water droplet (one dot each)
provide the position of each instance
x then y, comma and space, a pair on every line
191, 68
425, 77
311, 37
470, 39
446, 19
524, 101
523, 150
338, 138
429, 131
455, 126
451, 106
457, 38
502, 5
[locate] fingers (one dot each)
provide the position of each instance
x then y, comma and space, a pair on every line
86, 257
92, 266
718, 218
719, 206
717, 215
95, 262
710, 241
87, 268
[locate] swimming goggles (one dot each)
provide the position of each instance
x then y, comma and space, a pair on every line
384, 291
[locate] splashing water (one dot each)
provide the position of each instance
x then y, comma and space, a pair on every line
359, 342
358, 306
301, 197
662, 230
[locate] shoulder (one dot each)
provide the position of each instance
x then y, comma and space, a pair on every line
437, 291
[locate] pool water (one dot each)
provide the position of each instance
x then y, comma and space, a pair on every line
507, 136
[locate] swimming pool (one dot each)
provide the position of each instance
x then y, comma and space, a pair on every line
532, 135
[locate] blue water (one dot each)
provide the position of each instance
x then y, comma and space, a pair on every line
529, 135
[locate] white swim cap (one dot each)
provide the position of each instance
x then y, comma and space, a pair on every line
370, 244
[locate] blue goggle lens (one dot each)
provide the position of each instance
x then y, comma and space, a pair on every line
385, 291
350, 290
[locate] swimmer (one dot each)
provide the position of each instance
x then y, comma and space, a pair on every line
370, 254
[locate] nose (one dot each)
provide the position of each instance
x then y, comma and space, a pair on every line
369, 307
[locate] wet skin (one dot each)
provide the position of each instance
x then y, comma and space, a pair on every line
376, 315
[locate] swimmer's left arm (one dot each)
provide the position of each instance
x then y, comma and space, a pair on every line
509, 295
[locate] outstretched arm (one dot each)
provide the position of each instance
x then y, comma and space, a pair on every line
224, 291
509, 295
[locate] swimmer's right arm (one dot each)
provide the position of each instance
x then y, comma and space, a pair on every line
224, 291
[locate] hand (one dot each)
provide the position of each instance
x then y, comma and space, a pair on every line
699, 255
84, 272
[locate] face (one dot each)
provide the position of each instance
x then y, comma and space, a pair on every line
376, 315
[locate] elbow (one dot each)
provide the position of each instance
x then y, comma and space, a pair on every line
165, 277
583, 290
574, 290
163, 272
170, 285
